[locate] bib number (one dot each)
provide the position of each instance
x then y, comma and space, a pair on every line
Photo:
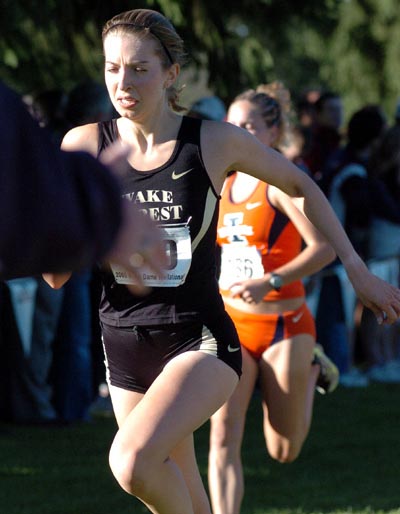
239, 263
179, 254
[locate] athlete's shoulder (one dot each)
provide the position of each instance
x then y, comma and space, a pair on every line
232, 140
224, 138
83, 137
222, 129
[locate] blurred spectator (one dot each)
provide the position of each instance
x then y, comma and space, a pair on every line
356, 198
48, 108
397, 113
384, 166
325, 135
305, 117
293, 147
29, 315
71, 375
88, 102
305, 107
208, 108
382, 344
355, 194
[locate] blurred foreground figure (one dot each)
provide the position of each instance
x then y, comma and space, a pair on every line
59, 210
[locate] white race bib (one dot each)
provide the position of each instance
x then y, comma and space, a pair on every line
239, 262
179, 251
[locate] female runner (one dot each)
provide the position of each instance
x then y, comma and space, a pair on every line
173, 356
261, 232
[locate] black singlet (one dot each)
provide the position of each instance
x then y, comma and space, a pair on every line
173, 193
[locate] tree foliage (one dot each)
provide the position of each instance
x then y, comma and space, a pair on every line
365, 51
346, 45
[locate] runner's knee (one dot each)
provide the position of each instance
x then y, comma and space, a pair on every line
284, 452
132, 469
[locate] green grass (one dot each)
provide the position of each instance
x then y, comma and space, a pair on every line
349, 464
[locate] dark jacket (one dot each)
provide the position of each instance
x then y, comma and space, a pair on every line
59, 211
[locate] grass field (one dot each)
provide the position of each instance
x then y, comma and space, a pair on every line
349, 464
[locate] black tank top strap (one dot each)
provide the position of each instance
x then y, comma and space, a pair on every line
108, 134
190, 130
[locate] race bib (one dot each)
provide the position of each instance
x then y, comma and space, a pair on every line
179, 252
239, 262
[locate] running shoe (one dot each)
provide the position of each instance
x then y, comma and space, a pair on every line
328, 378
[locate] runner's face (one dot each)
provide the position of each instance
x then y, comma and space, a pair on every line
134, 76
246, 115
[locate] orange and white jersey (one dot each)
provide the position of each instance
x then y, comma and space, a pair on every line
255, 238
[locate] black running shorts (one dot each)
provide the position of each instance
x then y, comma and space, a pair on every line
135, 356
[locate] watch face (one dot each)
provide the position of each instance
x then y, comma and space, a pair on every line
275, 282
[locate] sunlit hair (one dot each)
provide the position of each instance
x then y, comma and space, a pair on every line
273, 103
145, 23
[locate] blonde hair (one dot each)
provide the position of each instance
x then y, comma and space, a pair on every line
145, 23
274, 104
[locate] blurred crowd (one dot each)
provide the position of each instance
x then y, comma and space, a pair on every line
357, 165
52, 369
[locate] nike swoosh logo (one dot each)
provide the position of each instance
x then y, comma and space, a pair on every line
176, 176
298, 317
254, 205
233, 348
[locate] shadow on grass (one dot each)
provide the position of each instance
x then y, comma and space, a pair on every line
350, 463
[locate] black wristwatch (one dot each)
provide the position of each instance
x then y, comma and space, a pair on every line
275, 281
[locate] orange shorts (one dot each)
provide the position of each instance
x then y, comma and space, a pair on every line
257, 332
